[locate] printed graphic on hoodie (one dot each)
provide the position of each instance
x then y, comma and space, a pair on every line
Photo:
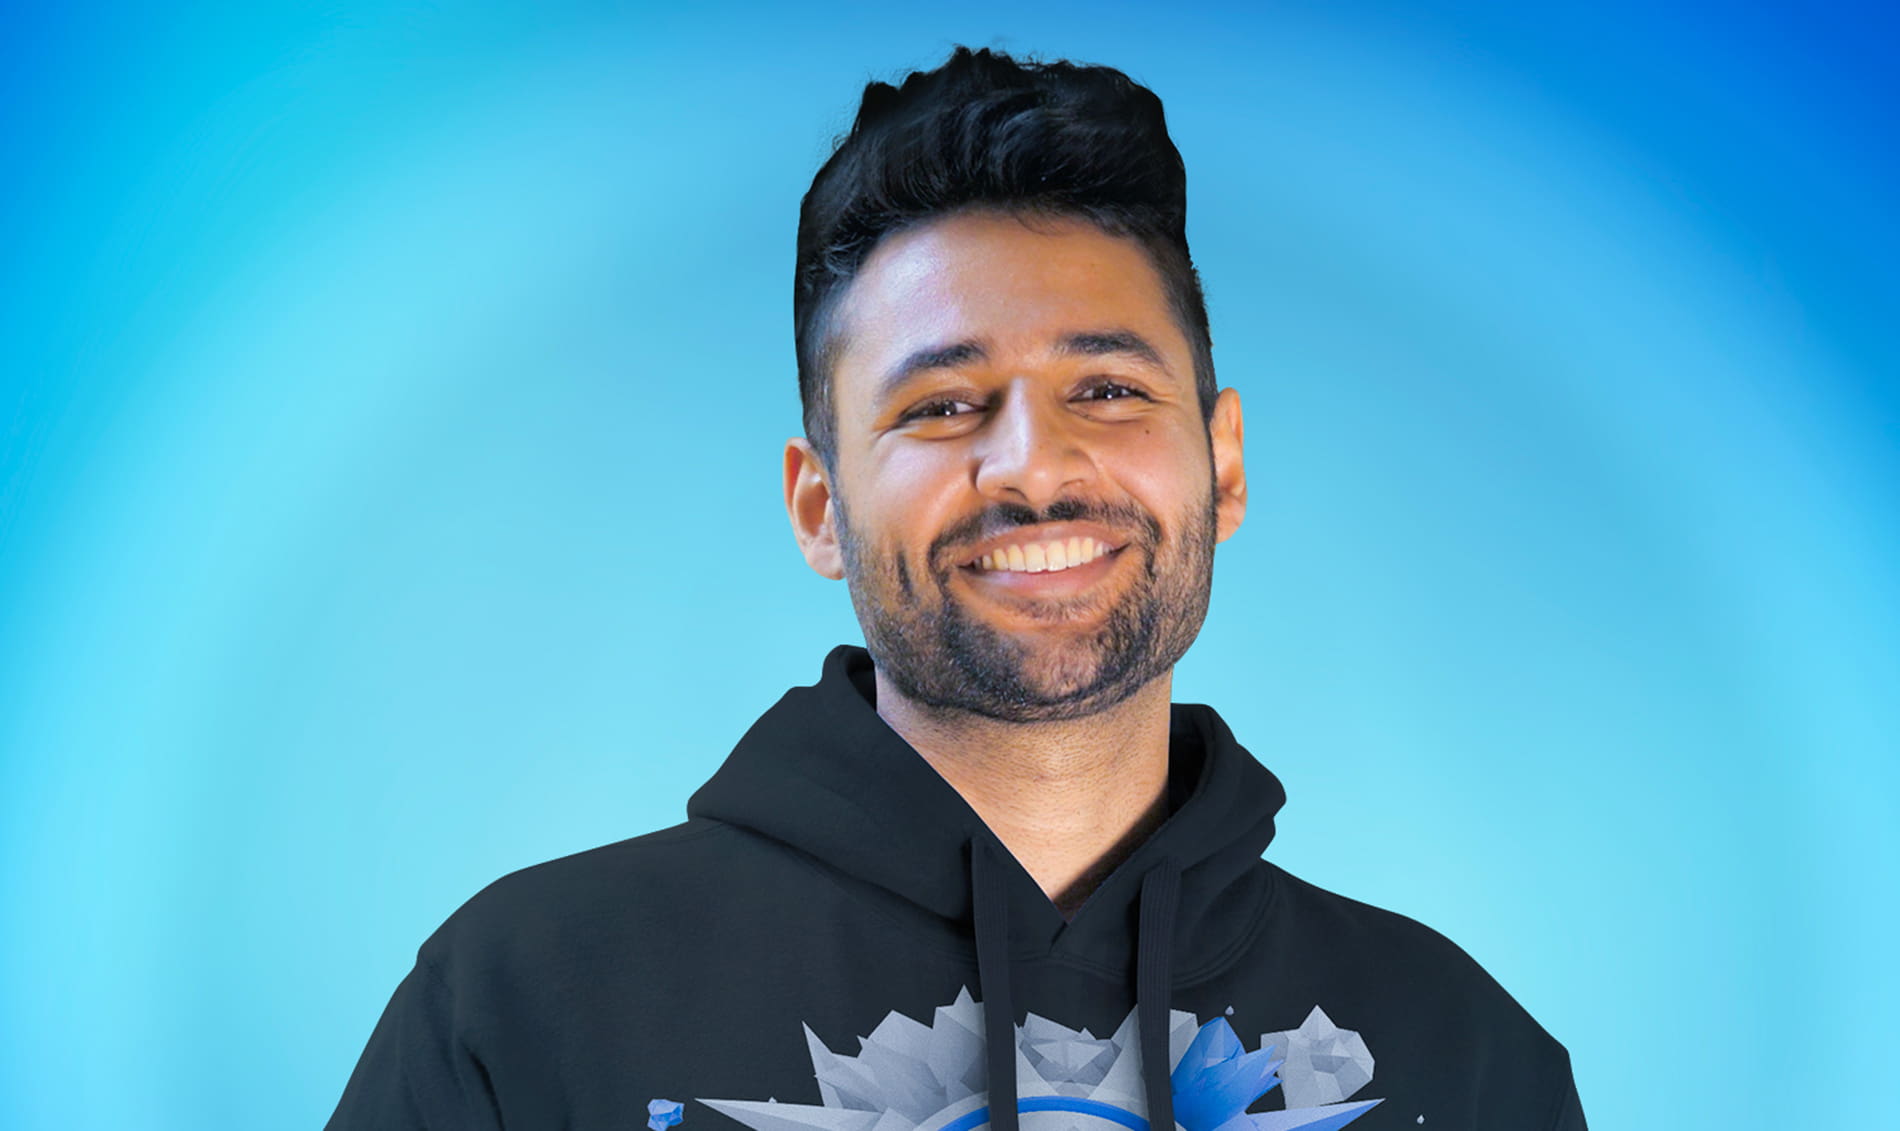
915, 1077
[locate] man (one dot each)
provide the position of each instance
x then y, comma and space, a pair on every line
984, 871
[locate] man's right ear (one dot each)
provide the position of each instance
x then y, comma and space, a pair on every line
808, 503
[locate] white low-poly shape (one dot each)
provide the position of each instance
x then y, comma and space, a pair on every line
909, 1076
1324, 1064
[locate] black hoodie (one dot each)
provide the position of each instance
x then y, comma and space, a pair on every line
834, 941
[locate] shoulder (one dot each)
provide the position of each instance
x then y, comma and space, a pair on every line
613, 895
1362, 931
1401, 959
1427, 999
1361, 928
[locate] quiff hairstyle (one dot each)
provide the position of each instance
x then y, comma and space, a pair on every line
985, 131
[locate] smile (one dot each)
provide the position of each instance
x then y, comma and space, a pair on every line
1042, 557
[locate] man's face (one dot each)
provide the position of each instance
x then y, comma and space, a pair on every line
1014, 398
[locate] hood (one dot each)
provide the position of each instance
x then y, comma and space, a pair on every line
822, 773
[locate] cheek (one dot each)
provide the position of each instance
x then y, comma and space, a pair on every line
914, 494
1168, 483
916, 467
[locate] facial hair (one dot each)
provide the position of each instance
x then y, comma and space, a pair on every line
940, 655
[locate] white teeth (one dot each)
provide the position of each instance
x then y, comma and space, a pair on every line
1043, 557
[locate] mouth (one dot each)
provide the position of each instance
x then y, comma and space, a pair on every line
1043, 569
1025, 553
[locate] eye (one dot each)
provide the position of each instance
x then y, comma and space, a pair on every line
941, 408
1120, 391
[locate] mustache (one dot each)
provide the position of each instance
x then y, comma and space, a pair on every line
1004, 517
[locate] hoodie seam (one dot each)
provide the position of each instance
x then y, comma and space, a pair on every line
1213, 967
868, 812
824, 872
1222, 961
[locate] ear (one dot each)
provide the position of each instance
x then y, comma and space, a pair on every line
808, 503
1225, 433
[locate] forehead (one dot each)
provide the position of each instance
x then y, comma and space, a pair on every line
1020, 285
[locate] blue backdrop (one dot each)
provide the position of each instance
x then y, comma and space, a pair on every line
392, 407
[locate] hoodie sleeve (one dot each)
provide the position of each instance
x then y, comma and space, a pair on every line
1568, 1115
418, 1071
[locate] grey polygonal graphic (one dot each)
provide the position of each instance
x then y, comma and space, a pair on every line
909, 1076
1324, 1063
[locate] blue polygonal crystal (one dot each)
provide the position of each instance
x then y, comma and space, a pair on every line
662, 1114
1216, 1080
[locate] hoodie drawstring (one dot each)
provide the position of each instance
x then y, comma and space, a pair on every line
1154, 961
1154, 970
990, 903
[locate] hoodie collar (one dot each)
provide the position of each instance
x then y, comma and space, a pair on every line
823, 773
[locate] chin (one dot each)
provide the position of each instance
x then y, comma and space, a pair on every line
1062, 676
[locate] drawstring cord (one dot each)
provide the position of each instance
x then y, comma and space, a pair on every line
1154, 970
991, 906
1154, 962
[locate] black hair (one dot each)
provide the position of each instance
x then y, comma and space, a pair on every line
987, 131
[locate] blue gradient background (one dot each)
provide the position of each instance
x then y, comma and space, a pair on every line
393, 404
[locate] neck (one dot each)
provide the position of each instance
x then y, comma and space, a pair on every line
1069, 799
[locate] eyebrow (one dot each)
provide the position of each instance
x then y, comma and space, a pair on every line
1087, 343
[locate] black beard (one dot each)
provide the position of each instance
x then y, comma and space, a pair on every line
927, 645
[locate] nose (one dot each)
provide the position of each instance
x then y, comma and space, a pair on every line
1031, 451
